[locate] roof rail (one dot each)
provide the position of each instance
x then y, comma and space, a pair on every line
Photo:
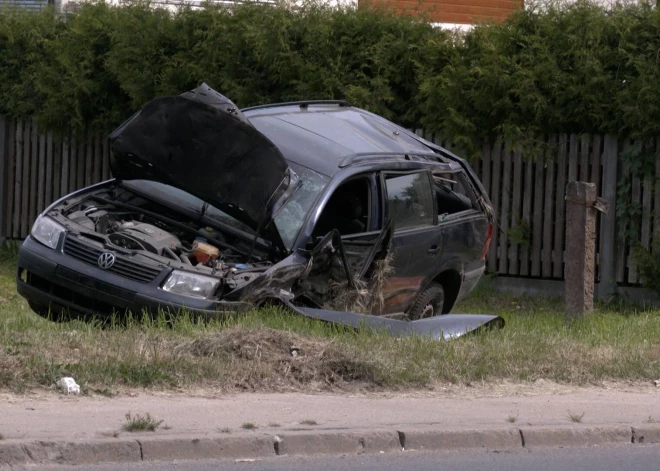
360, 156
301, 104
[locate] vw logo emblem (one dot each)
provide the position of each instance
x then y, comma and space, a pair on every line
106, 260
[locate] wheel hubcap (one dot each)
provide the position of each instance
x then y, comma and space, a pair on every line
428, 311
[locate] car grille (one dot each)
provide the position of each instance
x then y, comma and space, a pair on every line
123, 266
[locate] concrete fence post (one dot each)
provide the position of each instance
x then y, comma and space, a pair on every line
580, 249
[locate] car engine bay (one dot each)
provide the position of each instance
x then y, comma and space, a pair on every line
131, 225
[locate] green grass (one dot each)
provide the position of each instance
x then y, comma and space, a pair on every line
249, 426
308, 422
575, 418
252, 351
141, 423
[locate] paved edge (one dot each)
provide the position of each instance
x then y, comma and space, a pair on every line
310, 442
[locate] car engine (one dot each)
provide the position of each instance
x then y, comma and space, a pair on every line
135, 235
166, 244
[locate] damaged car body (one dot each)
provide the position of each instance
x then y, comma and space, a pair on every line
327, 209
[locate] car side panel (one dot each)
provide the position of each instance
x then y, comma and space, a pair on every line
463, 241
412, 265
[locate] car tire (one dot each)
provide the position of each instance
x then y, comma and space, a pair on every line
429, 303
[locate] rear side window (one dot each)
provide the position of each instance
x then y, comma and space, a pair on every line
453, 193
410, 200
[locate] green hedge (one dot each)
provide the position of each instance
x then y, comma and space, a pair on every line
577, 68
580, 68
99, 64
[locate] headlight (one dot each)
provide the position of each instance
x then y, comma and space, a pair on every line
47, 231
191, 284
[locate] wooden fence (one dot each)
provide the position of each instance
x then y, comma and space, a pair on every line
37, 168
526, 191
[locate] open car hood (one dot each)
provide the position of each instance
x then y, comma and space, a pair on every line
201, 143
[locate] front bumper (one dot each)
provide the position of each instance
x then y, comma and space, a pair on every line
51, 279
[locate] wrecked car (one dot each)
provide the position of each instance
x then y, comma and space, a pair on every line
330, 210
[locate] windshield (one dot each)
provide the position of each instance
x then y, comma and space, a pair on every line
288, 221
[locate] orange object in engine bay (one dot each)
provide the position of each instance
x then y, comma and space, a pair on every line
204, 252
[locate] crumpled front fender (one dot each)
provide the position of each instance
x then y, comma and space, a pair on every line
443, 327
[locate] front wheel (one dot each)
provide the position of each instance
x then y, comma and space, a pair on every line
429, 303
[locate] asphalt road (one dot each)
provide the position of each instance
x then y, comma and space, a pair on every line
610, 458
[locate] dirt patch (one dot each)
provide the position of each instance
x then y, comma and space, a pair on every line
274, 358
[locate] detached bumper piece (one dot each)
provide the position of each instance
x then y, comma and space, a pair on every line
443, 327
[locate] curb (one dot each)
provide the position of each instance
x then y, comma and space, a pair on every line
144, 448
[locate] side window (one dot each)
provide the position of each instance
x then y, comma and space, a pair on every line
347, 210
452, 193
410, 200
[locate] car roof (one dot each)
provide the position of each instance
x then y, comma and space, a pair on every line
325, 136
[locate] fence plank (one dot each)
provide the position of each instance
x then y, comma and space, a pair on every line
636, 199
594, 177
584, 158
106, 159
504, 213
89, 159
64, 175
57, 168
646, 211
49, 178
485, 175
515, 210
495, 200
537, 226
596, 152
98, 158
527, 215
608, 241
80, 164
11, 177
656, 202
560, 210
546, 265
573, 158
621, 248
646, 205
34, 176
4, 145
18, 181
73, 165
25, 186
41, 181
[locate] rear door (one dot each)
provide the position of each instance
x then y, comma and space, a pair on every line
417, 242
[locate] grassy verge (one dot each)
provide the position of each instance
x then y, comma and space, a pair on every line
254, 351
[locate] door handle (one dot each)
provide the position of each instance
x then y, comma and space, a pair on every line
433, 250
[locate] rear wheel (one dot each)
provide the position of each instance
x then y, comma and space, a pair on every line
429, 303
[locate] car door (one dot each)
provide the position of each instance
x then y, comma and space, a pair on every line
417, 243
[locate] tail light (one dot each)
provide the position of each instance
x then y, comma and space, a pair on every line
487, 244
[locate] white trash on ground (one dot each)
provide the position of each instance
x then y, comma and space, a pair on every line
68, 385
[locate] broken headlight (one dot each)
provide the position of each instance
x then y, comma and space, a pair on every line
190, 284
47, 231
